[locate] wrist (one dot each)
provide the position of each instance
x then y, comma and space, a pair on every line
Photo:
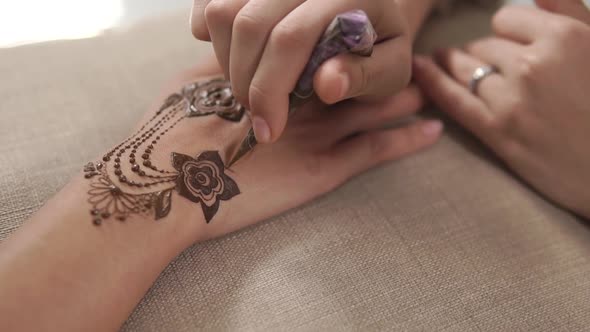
165, 238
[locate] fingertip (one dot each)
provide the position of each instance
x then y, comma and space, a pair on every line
332, 82
269, 114
261, 130
411, 139
432, 128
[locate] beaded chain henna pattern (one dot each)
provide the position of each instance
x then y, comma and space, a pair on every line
201, 179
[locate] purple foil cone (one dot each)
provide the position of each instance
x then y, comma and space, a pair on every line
351, 32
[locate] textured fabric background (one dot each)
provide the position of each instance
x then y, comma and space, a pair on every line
447, 240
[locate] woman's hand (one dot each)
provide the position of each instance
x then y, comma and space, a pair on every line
105, 268
263, 46
322, 148
535, 113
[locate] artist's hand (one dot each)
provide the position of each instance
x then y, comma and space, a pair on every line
263, 46
535, 114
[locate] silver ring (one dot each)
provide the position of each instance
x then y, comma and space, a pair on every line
479, 75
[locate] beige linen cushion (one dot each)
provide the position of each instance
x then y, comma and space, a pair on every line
446, 240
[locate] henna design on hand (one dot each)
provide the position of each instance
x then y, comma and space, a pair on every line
201, 180
109, 200
213, 98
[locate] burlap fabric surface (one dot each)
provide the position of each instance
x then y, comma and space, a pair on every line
447, 240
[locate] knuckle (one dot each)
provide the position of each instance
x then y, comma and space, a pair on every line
219, 11
240, 94
528, 65
376, 146
456, 102
501, 15
392, 79
507, 147
508, 117
248, 23
288, 36
366, 77
257, 92
497, 122
383, 149
515, 106
569, 30
314, 165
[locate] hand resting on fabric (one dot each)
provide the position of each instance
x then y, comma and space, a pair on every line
534, 113
88, 256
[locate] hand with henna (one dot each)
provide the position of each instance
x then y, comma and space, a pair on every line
264, 45
323, 147
534, 112
98, 245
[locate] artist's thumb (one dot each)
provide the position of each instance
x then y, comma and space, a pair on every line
347, 76
573, 8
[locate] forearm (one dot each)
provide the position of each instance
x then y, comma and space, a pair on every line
73, 276
79, 270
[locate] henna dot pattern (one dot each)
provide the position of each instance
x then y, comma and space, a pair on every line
127, 181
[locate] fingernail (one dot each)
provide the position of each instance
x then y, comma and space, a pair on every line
261, 129
344, 86
432, 128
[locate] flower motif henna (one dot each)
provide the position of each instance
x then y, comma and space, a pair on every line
201, 180
213, 97
110, 201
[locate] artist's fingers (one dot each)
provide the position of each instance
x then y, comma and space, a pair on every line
288, 50
354, 117
461, 66
364, 151
496, 51
251, 29
197, 21
220, 16
572, 8
450, 96
347, 76
522, 23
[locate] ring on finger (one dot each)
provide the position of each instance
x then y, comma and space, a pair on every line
479, 75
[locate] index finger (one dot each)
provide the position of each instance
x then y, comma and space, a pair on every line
197, 21
451, 97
